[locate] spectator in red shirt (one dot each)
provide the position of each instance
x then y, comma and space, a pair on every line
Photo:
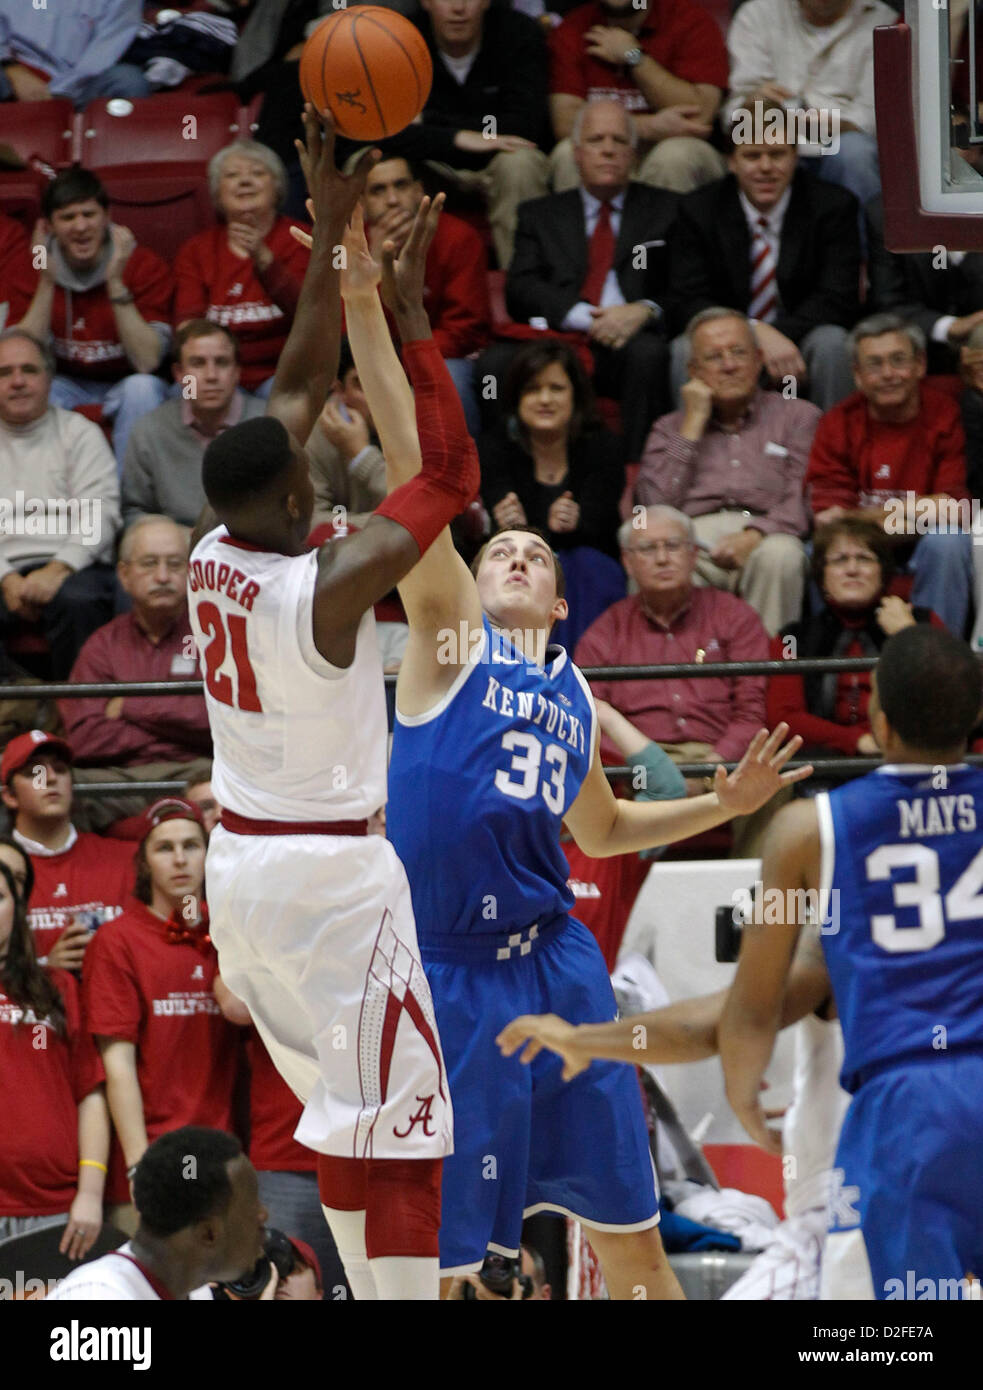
893, 451
853, 565
455, 292
80, 880
52, 1155
140, 739
665, 60
170, 1056
104, 302
670, 620
245, 273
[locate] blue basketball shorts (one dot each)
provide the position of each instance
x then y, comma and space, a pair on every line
524, 1139
908, 1183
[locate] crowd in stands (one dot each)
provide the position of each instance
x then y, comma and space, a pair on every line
685, 353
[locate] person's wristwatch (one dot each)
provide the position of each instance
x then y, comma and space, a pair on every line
125, 298
633, 56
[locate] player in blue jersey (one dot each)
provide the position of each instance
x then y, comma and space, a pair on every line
495, 746
896, 861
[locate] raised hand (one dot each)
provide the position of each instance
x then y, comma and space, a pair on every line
758, 776
333, 194
360, 274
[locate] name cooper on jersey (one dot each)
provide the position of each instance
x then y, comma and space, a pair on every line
222, 579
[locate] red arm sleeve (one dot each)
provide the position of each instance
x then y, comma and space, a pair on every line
96, 737
449, 474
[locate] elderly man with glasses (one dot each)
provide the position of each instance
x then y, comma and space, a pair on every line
139, 738
734, 460
670, 619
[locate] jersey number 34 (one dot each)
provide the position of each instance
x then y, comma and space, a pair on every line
962, 903
245, 695
522, 778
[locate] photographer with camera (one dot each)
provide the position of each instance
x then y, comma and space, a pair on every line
201, 1219
502, 1279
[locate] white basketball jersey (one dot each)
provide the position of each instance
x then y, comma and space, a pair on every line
812, 1122
295, 738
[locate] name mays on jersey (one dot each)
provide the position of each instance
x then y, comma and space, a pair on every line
538, 709
936, 815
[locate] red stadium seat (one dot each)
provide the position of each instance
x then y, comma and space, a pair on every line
42, 128
20, 197
174, 127
162, 204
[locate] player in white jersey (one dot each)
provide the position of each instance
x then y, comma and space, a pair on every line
191, 1233
686, 1031
312, 916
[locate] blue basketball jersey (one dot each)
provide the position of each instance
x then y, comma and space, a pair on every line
479, 786
902, 852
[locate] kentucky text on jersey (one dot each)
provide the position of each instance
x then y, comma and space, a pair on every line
223, 579
478, 789
535, 709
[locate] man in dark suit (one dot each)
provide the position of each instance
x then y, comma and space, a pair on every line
593, 261
941, 291
783, 247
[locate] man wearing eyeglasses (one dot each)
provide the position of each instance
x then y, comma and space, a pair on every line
734, 459
669, 620
894, 452
136, 738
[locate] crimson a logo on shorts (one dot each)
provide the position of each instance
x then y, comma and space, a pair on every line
422, 1117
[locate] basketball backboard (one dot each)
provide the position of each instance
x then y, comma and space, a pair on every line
928, 80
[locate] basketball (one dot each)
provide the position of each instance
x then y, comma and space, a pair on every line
370, 68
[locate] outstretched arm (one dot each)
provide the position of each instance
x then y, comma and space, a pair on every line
603, 825
439, 594
685, 1031
441, 475
309, 361
752, 1014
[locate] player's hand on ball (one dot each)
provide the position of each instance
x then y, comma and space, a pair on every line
333, 194
403, 274
544, 1030
84, 1225
758, 776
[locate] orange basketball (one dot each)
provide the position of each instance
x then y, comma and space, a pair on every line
370, 68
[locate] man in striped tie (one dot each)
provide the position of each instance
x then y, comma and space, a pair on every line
783, 247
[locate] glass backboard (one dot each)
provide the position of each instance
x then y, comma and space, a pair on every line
928, 78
